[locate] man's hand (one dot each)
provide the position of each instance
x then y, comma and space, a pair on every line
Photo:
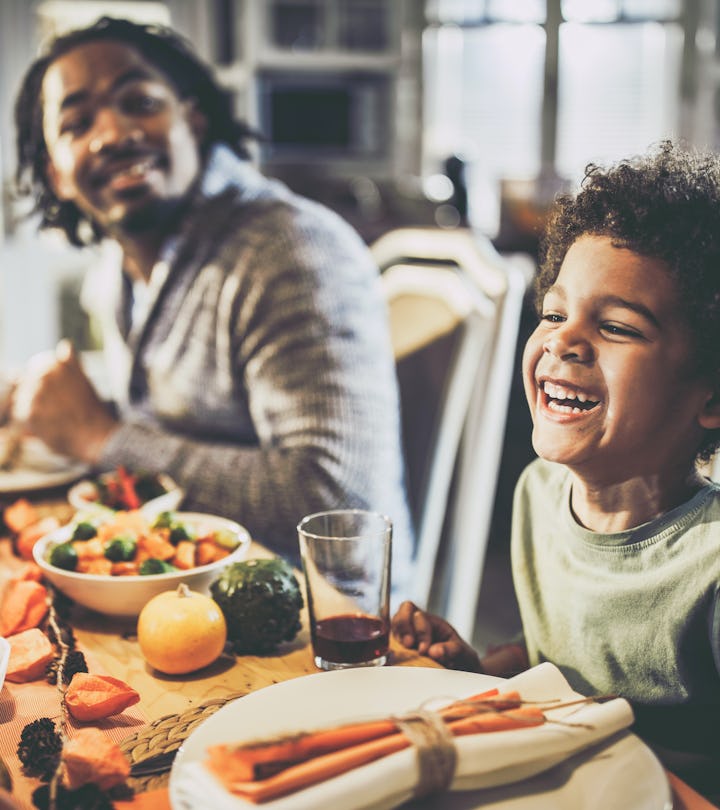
432, 636
56, 402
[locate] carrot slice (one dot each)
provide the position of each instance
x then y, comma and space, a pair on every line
154, 545
208, 551
184, 557
95, 565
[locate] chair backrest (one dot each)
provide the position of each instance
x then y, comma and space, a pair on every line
503, 282
442, 329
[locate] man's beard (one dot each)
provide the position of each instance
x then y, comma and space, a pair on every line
155, 215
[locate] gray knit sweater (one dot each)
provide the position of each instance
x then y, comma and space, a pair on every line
259, 371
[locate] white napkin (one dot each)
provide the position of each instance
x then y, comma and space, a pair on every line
484, 760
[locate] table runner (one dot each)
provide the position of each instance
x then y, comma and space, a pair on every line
21, 703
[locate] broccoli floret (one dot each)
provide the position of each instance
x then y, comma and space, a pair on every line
121, 548
64, 556
84, 531
261, 602
155, 566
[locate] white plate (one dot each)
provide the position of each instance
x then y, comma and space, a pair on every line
622, 774
84, 495
38, 468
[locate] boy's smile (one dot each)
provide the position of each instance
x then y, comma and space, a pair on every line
608, 371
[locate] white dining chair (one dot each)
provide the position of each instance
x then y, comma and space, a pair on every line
442, 330
503, 282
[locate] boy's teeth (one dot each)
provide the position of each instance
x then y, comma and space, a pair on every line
560, 392
557, 391
561, 398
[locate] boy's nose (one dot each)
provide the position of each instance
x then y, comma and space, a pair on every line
567, 343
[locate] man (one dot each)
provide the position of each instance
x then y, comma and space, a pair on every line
251, 355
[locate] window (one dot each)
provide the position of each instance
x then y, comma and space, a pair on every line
530, 91
619, 90
483, 104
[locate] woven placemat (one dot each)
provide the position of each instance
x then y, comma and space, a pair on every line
167, 734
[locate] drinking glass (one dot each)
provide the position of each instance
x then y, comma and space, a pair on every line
346, 557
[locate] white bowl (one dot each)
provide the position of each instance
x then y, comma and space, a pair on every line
125, 596
83, 496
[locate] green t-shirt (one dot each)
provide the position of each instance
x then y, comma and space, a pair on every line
634, 613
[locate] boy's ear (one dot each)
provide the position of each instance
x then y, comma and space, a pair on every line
709, 416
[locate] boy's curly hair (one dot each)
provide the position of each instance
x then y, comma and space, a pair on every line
166, 51
664, 205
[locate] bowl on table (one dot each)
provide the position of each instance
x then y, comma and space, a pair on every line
125, 596
156, 493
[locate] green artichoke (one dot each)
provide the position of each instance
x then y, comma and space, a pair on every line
261, 602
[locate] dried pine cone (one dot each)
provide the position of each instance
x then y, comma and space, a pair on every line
62, 604
67, 636
40, 748
87, 797
74, 662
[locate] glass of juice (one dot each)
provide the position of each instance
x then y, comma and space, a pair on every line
346, 557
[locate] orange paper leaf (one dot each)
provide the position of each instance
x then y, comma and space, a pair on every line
92, 757
30, 653
94, 697
24, 606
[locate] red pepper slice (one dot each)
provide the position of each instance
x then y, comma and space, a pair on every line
127, 483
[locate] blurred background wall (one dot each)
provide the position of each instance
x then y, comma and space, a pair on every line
445, 112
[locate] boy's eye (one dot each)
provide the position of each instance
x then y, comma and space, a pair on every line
620, 331
552, 317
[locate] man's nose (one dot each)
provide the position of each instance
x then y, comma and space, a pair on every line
569, 342
111, 128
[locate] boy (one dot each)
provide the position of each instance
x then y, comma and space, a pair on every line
615, 541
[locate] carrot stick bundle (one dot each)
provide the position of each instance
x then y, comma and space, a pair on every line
230, 763
261, 759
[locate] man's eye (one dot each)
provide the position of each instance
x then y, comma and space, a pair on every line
75, 126
141, 105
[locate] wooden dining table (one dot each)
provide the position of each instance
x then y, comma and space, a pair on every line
112, 646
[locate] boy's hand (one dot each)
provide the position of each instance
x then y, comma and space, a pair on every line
432, 636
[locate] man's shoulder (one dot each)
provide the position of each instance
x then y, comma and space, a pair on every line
244, 192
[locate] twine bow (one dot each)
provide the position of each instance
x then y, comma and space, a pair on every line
435, 748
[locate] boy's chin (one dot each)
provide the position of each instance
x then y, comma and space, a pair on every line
554, 451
